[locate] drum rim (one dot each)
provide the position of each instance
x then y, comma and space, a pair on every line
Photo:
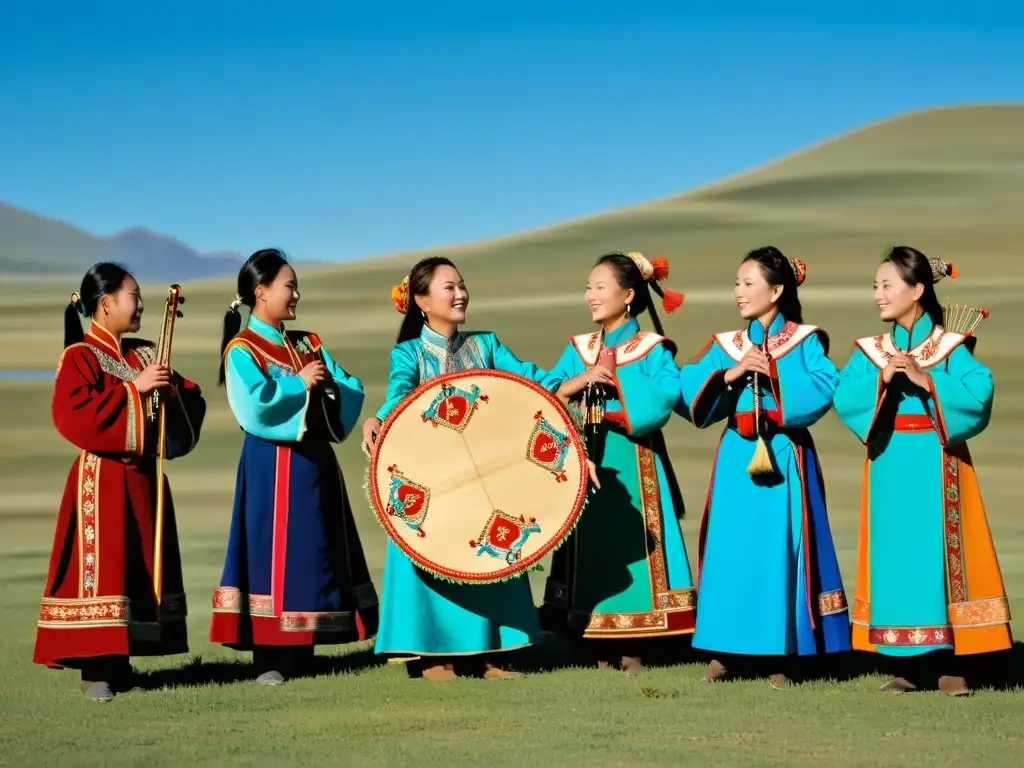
509, 572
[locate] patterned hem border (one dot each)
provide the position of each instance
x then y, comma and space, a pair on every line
83, 613
976, 614
830, 603
233, 600
910, 636
673, 621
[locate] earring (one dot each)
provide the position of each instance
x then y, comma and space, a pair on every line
424, 313
629, 311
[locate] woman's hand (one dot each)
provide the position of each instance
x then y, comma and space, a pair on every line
596, 375
901, 362
592, 469
755, 361
370, 429
155, 376
313, 373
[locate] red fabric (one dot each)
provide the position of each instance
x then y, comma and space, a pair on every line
744, 422
913, 423
91, 408
98, 599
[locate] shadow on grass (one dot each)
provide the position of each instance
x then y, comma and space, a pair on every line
199, 672
1003, 671
992, 671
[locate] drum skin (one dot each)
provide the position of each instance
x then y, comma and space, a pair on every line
478, 475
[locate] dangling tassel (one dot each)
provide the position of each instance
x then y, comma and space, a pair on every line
660, 265
671, 300
761, 463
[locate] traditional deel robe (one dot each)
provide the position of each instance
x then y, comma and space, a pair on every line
99, 598
295, 573
624, 572
769, 582
421, 614
927, 574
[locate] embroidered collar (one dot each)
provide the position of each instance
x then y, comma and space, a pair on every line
783, 337
100, 337
756, 332
439, 343
266, 330
931, 351
922, 331
630, 343
622, 334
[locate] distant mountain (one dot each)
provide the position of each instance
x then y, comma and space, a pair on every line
152, 256
31, 244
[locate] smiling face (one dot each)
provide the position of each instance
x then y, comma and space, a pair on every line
606, 298
755, 297
447, 299
279, 298
893, 297
121, 312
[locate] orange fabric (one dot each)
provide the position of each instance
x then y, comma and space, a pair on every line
984, 580
986, 595
862, 595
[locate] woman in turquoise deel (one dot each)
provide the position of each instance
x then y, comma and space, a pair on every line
929, 587
447, 629
768, 580
624, 576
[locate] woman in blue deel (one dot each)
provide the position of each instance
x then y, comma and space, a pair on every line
769, 583
295, 575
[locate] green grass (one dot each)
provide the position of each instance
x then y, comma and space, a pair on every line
529, 290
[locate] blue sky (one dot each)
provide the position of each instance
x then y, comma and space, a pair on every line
343, 129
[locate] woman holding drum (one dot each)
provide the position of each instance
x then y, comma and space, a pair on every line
457, 627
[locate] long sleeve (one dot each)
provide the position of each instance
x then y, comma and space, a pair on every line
505, 360
704, 394
858, 395
648, 391
403, 378
806, 392
961, 392
186, 412
350, 395
94, 410
267, 407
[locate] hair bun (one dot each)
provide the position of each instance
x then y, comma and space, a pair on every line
942, 268
400, 295
645, 267
799, 270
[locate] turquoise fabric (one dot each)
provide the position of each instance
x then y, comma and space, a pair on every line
421, 614
275, 407
905, 481
752, 589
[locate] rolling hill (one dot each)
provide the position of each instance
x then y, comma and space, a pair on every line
949, 181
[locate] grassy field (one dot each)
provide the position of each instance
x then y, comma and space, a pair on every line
201, 710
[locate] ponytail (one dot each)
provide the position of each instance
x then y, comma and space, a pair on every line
73, 333
667, 301
412, 324
232, 325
